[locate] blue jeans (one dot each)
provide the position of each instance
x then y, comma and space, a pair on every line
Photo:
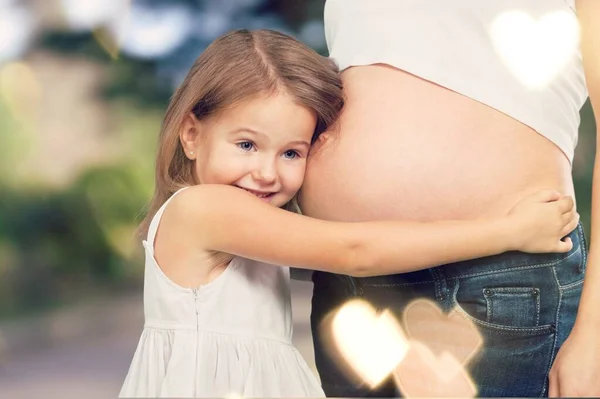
524, 306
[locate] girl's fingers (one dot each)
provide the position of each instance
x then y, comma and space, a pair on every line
569, 227
566, 204
565, 246
569, 216
545, 196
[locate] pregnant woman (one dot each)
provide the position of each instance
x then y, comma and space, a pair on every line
443, 122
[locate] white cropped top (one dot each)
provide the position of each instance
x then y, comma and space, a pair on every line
520, 57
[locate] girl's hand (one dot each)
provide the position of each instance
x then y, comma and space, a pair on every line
540, 221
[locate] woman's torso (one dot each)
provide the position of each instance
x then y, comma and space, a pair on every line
409, 148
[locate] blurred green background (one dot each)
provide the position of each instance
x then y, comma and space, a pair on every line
83, 87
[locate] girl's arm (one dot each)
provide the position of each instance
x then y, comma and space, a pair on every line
230, 220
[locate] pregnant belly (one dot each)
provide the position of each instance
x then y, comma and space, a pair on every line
409, 149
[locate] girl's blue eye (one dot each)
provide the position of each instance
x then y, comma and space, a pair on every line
290, 154
245, 145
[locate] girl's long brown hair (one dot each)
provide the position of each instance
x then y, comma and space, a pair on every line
237, 66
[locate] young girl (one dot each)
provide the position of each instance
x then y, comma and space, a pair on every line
232, 152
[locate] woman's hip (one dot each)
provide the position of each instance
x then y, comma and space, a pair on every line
521, 307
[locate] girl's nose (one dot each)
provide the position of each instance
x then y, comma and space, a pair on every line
266, 173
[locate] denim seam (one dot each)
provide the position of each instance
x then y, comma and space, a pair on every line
583, 246
437, 283
356, 289
556, 334
549, 264
570, 285
397, 284
581, 267
489, 307
443, 285
538, 309
499, 329
511, 290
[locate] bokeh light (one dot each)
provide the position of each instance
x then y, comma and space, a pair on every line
535, 50
17, 25
90, 14
372, 344
150, 32
20, 91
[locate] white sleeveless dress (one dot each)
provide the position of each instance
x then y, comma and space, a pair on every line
230, 337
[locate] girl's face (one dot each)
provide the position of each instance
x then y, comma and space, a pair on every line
260, 145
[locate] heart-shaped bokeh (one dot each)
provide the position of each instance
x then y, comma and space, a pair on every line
424, 374
425, 322
371, 344
432, 363
535, 50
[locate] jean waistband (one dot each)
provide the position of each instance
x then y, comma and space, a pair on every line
507, 261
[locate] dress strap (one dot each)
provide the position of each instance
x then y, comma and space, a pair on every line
149, 243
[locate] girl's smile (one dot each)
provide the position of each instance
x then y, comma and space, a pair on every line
263, 195
259, 145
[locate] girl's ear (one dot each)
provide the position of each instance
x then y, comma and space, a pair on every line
188, 135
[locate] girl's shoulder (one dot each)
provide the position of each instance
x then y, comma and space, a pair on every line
177, 244
193, 200
209, 208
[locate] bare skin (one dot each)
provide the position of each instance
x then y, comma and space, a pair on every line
409, 149
412, 150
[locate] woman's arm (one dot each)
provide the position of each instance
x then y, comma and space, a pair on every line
230, 220
576, 370
589, 16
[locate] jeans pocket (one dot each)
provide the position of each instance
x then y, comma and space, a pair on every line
515, 306
570, 271
505, 309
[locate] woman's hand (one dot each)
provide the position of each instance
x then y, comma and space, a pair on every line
541, 221
576, 369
